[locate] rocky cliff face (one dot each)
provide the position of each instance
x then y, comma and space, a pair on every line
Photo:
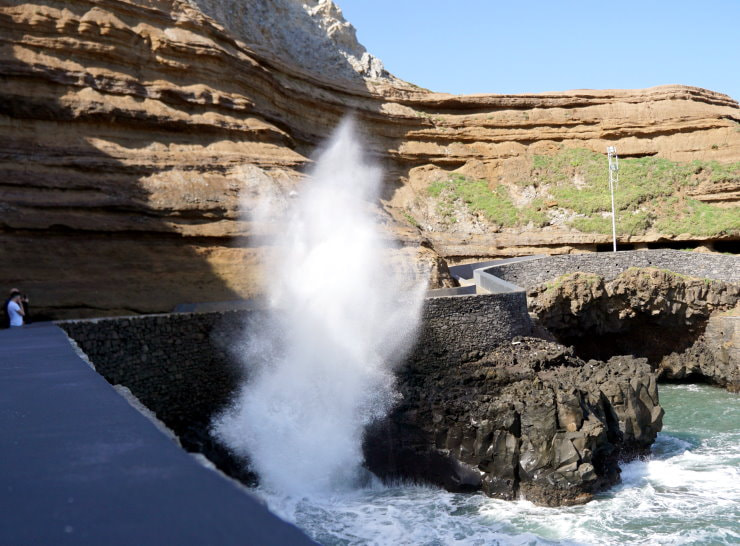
714, 357
129, 130
528, 420
311, 35
685, 326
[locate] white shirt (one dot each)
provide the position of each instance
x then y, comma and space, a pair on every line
16, 319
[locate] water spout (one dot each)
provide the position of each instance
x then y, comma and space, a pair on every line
320, 368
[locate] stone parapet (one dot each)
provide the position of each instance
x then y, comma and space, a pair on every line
176, 364
460, 327
179, 364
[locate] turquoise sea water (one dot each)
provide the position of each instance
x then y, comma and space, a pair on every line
687, 492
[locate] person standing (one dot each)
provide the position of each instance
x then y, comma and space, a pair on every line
15, 309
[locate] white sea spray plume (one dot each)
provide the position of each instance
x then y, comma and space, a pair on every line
320, 366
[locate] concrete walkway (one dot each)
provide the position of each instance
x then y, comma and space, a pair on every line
465, 273
79, 465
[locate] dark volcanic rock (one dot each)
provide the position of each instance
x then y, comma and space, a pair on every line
685, 326
529, 419
715, 357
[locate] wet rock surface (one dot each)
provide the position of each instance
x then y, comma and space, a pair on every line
529, 419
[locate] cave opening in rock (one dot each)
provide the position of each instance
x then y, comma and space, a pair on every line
732, 247
677, 245
609, 247
639, 337
683, 325
724, 246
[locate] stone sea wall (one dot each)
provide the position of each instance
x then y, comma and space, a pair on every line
463, 327
722, 267
179, 364
181, 367
175, 363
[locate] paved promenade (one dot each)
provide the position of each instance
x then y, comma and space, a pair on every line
79, 465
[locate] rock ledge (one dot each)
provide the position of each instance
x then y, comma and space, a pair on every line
528, 420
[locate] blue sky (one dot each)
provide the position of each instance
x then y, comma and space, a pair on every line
497, 46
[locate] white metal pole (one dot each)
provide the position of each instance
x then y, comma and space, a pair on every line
613, 167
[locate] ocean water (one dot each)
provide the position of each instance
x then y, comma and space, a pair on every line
686, 492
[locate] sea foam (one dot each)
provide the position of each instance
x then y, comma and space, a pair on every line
320, 366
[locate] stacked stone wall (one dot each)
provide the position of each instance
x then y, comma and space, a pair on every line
461, 327
181, 367
722, 267
176, 364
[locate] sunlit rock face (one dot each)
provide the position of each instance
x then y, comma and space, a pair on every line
129, 130
312, 35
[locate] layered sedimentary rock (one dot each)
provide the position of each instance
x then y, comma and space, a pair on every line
527, 420
685, 326
137, 136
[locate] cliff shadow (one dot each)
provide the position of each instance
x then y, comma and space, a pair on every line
80, 237
120, 158
80, 231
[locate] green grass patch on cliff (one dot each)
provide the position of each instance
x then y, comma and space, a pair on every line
649, 194
410, 219
652, 194
628, 223
494, 204
721, 172
700, 219
580, 180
